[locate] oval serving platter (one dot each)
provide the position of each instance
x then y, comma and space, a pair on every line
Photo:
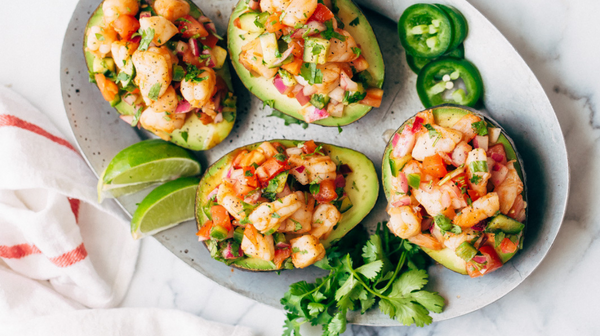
513, 97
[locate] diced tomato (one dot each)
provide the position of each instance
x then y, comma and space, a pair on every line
326, 192
220, 217
309, 147
204, 232
434, 165
321, 14
209, 41
249, 177
189, 58
298, 45
373, 97
294, 66
497, 153
492, 263
133, 44
239, 158
507, 246
360, 64
241, 189
268, 170
188, 27
473, 195
126, 25
279, 147
237, 23
205, 118
107, 87
273, 24
280, 256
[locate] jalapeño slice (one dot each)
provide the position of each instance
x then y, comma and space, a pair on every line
441, 82
425, 31
417, 63
460, 28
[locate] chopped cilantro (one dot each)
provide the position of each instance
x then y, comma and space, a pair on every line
154, 91
475, 179
248, 173
356, 51
330, 33
99, 37
193, 74
288, 120
340, 130
480, 127
311, 74
314, 188
355, 22
178, 73
147, 37
269, 103
184, 135
275, 215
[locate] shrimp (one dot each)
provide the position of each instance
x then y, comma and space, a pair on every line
342, 51
298, 170
256, 245
298, 12
227, 197
162, 123
113, 8
481, 209
459, 154
300, 221
477, 180
100, 39
325, 217
309, 251
167, 102
121, 53
452, 241
251, 58
404, 222
458, 200
151, 69
444, 140
426, 240
268, 150
272, 6
464, 125
163, 28
432, 198
320, 168
509, 189
172, 9
199, 91
269, 216
331, 77
254, 157
518, 209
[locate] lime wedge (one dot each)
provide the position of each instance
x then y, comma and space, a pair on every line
165, 207
144, 164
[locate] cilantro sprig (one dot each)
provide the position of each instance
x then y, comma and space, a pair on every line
385, 270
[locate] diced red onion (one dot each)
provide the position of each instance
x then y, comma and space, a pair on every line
136, 39
253, 198
497, 157
282, 245
209, 61
145, 14
184, 106
181, 47
402, 182
347, 83
218, 118
203, 19
210, 27
480, 226
426, 224
337, 94
499, 173
228, 252
314, 114
130, 98
497, 153
194, 47
340, 181
345, 169
254, 4
293, 151
284, 56
127, 118
213, 193
301, 98
417, 124
479, 259
481, 142
494, 134
280, 86
300, 169
402, 201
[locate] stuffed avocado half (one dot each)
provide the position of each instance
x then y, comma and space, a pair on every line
162, 68
315, 61
280, 204
455, 187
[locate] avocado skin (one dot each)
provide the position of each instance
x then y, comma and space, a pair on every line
446, 115
196, 131
362, 185
264, 89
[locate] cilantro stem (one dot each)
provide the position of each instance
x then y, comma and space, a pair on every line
398, 267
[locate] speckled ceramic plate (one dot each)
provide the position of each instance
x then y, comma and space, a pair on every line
513, 97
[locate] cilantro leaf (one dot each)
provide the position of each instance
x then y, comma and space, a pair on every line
330, 33
370, 270
184, 135
311, 74
269, 103
337, 325
147, 37
430, 300
355, 22
408, 282
480, 127
288, 120
154, 91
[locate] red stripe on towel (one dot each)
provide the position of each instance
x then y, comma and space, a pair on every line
17, 251
71, 257
10, 120
75, 207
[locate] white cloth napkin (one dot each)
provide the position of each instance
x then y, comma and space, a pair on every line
60, 251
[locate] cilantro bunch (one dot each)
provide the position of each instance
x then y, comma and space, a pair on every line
383, 270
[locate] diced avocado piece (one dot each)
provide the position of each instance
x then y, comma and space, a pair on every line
279, 238
466, 251
346, 204
248, 22
103, 65
287, 78
319, 101
115, 101
218, 232
270, 49
238, 234
220, 55
362, 184
316, 50
505, 224
351, 97
277, 184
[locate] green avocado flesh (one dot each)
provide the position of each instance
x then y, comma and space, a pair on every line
265, 90
446, 116
362, 187
193, 134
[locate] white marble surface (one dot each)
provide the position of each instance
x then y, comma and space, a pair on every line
557, 38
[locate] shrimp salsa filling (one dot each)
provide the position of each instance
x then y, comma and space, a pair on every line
275, 205
301, 49
454, 188
161, 67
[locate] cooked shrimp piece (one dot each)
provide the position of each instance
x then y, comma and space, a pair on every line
331, 77
463, 125
167, 54
163, 28
121, 54
162, 123
518, 211
172, 9
269, 216
325, 217
413, 167
477, 158
254, 157
404, 222
113, 8
509, 189
251, 58
100, 39
459, 154
481, 209
167, 102
320, 168
298, 170
307, 251
426, 240
298, 12
452, 240
426, 116
199, 91
432, 198
301, 220
342, 51
458, 201
272, 6
151, 69
227, 197
256, 245
268, 150
443, 141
